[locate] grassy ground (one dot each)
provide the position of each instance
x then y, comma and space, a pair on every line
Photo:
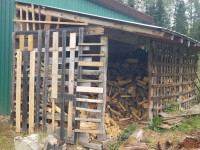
6, 136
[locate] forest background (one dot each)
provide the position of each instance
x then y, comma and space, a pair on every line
179, 15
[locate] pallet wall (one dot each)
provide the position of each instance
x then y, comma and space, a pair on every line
174, 77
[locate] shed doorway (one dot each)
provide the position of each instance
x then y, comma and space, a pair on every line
127, 82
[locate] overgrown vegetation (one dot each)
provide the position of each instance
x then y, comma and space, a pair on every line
155, 123
188, 125
170, 107
125, 135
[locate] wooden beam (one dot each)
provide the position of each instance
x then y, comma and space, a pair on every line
39, 17
89, 89
111, 24
50, 22
54, 94
27, 18
58, 25
72, 46
31, 84
48, 18
18, 83
33, 15
91, 64
21, 17
123, 36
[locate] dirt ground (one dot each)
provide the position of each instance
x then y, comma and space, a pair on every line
152, 138
6, 134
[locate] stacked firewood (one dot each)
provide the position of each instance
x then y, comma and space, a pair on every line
127, 88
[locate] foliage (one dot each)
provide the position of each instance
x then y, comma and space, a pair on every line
188, 125
170, 107
180, 22
155, 123
125, 135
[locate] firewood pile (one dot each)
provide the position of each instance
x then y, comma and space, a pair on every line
127, 87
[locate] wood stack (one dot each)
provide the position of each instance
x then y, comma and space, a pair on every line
127, 88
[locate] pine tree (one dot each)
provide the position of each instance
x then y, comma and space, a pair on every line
180, 22
150, 8
160, 17
131, 3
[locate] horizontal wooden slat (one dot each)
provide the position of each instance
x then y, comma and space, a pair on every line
90, 81
90, 63
91, 44
89, 100
85, 48
89, 89
89, 131
92, 55
178, 103
88, 119
89, 110
173, 95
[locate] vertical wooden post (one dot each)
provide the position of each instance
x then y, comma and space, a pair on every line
150, 80
58, 26
38, 81
33, 15
27, 18
103, 77
12, 81
21, 18
25, 91
54, 94
31, 84
71, 80
46, 63
18, 83
62, 102
47, 26
39, 16
79, 76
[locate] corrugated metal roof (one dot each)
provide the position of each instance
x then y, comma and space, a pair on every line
83, 6
6, 28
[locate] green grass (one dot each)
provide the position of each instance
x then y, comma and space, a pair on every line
155, 123
170, 107
188, 125
125, 135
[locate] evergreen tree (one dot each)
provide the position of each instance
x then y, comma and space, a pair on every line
131, 3
150, 8
180, 22
160, 17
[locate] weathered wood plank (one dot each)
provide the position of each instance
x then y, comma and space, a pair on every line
89, 131
54, 94
79, 76
18, 83
38, 80
27, 18
46, 63
91, 44
48, 23
90, 64
71, 81
31, 84
89, 89
48, 18
25, 91
89, 110
103, 77
12, 80
89, 100
33, 15
62, 102
88, 119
